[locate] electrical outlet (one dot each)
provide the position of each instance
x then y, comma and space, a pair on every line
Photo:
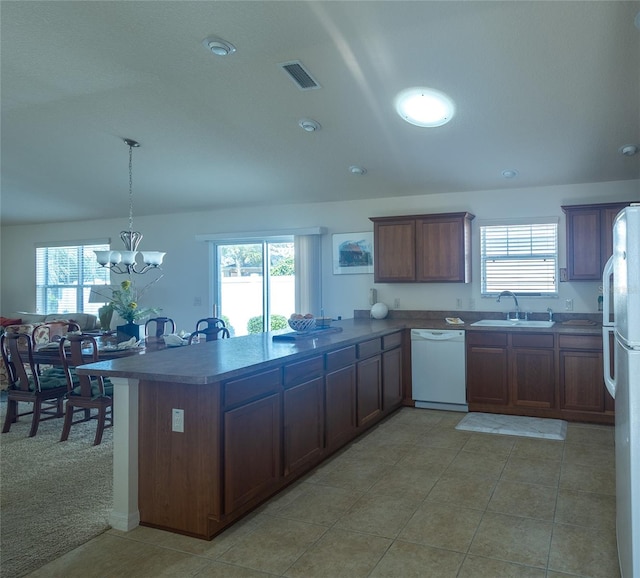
458, 303
177, 420
568, 304
396, 303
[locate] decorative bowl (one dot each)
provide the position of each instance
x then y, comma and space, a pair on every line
305, 324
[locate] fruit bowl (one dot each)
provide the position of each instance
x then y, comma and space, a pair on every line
304, 324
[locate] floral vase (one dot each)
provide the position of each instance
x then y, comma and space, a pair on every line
126, 332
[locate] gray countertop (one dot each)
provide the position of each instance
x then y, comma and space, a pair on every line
226, 358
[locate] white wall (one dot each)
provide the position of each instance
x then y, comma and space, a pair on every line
186, 268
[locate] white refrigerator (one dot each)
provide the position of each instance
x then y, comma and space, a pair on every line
622, 296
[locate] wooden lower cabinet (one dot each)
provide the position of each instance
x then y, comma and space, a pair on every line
340, 406
487, 376
303, 425
369, 390
532, 377
391, 379
251, 451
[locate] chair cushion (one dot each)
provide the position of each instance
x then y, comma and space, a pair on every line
4, 321
95, 388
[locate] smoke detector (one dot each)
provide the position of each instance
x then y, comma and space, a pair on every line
355, 170
628, 150
218, 46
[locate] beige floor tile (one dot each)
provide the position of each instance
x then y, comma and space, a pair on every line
414, 483
349, 474
274, 545
284, 498
533, 471
538, 449
379, 514
602, 435
584, 551
319, 504
586, 509
471, 464
494, 445
404, 560
439, 437
465, 492
340, 553
588, 479
442, 526
520, 499
513, 539
385, 451
477, 567
435, 459
589, 455
423, 417
220, 570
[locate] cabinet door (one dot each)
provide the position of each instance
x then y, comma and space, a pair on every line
532, 377
394, 247
391, 379
340, 406
303, 425
583, 244
487, 375
440, 249
252, 461
369, 390
582, 381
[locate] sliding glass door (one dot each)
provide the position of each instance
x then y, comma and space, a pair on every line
255, 284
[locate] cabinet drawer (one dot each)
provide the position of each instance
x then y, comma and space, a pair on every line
341, 358
391, 341
532, 340
369, 348
303, 371
593, 342
496, 339
252, 387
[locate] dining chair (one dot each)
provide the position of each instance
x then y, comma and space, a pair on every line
161, 324
86, 392
212, 328
44, 390
51, 332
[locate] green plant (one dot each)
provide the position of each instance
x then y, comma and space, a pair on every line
124, 302
255, 324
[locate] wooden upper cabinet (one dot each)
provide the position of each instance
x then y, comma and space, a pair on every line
423, 248
589, 239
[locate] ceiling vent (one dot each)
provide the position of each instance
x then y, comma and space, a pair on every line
297, 73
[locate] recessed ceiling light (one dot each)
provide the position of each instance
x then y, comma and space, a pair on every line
218, 46
628, 150
509, 173
355, 170
309, 124
425, 107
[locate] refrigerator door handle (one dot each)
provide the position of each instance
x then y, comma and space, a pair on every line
606, 293
609, 379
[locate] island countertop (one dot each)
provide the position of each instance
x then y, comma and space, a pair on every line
213, 361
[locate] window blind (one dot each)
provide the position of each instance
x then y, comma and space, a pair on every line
522, 258
65, 275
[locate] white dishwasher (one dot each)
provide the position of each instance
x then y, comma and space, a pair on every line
438, 372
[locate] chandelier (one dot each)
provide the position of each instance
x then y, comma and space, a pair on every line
125, 261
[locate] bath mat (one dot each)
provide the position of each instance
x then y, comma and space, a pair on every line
514, 425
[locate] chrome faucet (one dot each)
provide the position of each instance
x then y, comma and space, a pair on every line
550, 312
515, 299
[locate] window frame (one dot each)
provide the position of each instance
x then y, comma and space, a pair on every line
532, 257
44, 266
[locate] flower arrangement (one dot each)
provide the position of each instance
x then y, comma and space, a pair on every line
124, 302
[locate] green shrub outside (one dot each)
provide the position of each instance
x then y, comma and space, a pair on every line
254, 324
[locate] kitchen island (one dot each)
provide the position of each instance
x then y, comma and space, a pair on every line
206, 433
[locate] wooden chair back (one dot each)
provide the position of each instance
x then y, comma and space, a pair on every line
161, 324
17, 354
212, 328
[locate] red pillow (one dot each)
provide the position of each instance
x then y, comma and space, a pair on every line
6, 321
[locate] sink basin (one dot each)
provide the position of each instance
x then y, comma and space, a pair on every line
508, 323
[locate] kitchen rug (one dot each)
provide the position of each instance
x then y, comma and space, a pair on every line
514, 425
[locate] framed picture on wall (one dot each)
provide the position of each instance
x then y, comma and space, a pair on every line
352, 253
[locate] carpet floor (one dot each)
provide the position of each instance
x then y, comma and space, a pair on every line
54, 496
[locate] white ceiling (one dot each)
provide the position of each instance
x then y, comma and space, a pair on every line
551, 89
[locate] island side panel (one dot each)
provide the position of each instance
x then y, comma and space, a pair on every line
179, 486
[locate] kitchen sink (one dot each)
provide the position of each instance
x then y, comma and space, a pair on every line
512, 323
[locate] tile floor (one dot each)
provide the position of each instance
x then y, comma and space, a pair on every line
413, 497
